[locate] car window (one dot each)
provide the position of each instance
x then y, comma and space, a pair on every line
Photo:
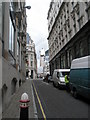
58, 75
62, 74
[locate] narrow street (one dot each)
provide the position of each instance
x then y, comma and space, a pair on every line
44, 45
56, 103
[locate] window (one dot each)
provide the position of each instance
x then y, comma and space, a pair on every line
18, 47
69, 58
63, 61
63, 41
75, 28
58, 5
88, 9
70, 34
2, 19
66, 38
31, 63
76, 51
58, 75
68, 61
88, 13
80, 22
72, 4
11, 37
31, 56
81, 49
62, 74
18, 51
12, 32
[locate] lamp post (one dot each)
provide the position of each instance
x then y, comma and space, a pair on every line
28, 7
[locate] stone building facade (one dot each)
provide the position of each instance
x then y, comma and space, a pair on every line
12, 49
69, 32
31, 64
42, 57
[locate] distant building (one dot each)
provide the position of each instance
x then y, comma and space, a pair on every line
31, 61
28, 38
40, 72
69, 32
42, 57
46, 63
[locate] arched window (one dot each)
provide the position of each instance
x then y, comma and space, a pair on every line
81, 49
13, 86
4, 92
19, 82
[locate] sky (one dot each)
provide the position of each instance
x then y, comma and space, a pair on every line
37, 23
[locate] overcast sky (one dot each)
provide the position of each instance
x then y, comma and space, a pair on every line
37, 24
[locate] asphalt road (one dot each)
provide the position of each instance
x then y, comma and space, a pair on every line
52, 102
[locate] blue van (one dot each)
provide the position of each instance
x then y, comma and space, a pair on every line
80, 77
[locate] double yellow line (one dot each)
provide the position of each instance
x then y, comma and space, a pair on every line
44, 116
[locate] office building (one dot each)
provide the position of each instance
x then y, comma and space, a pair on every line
69, 32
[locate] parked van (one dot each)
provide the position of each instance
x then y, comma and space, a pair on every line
58, 77
80, 77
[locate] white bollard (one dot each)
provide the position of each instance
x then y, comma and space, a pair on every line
24, 106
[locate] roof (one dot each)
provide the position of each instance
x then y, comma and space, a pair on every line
83, 62
62, 70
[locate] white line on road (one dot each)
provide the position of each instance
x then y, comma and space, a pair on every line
42, 110
34, 105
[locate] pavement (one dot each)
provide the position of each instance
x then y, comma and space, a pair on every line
13, 111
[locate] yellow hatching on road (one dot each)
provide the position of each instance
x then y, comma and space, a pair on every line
44, 116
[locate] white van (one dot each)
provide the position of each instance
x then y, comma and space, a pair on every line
58, 77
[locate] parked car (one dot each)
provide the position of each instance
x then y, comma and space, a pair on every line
58, 77
49, 78
80, 77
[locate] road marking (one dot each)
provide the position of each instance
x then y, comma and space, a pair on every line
35, 109
44, 116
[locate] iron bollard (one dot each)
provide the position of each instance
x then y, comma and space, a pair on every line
24, 106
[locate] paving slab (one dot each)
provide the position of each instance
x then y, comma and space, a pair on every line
13, 111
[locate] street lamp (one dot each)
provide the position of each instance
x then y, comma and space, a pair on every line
28, 7
18, 12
